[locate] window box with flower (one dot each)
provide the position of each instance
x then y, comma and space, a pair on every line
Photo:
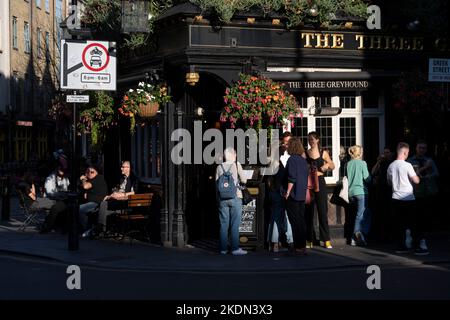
258, 102
143, 102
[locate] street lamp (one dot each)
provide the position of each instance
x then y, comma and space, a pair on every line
135, 16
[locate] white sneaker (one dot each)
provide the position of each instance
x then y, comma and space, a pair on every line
423, 244
239, 252
353, 243
408, 240
223, 252
87, 233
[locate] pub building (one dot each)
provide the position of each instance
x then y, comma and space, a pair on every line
342, 79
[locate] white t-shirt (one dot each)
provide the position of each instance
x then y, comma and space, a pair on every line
398, 175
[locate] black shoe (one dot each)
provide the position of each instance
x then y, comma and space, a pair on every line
402, 250
421, 252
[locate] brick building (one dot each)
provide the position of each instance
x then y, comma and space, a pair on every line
29, 68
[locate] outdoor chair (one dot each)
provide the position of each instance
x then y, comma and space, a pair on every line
31, 214
133, 221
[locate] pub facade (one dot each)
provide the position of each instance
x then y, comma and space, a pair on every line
342, 79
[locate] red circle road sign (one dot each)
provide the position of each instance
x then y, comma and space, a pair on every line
89, 65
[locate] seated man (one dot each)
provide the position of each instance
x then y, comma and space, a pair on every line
114, 201
95, 189
56, 187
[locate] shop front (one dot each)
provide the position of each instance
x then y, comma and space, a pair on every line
342, 80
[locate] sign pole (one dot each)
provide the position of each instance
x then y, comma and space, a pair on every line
73, 240
73, 196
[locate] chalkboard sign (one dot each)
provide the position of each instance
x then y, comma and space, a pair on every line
248, 221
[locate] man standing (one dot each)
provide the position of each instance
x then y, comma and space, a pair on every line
425, 192
401, 176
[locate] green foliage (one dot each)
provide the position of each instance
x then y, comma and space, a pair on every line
296, 11
97, 116
103, 15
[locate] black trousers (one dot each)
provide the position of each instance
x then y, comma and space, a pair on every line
296, 215
405, 217
57, 213
321, 202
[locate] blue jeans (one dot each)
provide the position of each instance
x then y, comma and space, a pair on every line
86, 208
363, 214
230, 213
279, 223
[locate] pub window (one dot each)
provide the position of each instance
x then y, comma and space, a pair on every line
324, 127
300, 130
323, 99
15, 43
147, 153
347, 132
347, 100
370, 99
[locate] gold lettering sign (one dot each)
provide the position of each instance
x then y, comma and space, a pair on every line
326, 40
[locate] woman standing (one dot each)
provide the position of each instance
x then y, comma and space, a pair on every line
297, 182
321, 161
358, 177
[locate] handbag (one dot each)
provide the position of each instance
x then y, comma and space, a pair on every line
343, 194
246, 196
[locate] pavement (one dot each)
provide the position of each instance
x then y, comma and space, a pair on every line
141, 256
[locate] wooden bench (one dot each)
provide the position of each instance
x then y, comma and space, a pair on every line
133, 220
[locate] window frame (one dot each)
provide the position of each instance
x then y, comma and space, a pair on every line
26, 37
15, 38
39, 42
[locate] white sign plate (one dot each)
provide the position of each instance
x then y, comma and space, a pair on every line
439, 70
77, 99
88, 65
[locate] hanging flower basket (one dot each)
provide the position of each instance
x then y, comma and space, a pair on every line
149, 109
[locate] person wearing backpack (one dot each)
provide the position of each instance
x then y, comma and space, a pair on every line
228, 176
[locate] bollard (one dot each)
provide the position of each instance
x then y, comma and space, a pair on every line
73, 221
6, 199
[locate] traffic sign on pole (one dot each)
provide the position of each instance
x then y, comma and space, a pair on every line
88, 65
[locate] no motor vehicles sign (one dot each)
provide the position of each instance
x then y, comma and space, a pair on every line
88, 65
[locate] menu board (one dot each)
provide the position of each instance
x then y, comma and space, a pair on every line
248, 221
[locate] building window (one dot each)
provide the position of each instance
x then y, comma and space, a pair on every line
47, 6
147, 153
47, 46
323, 100
38, 3
42, 143
38, 42
58, 9
300, 130
22, 143
15, 43
347, 100
26, 37
324, 127
347, 132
